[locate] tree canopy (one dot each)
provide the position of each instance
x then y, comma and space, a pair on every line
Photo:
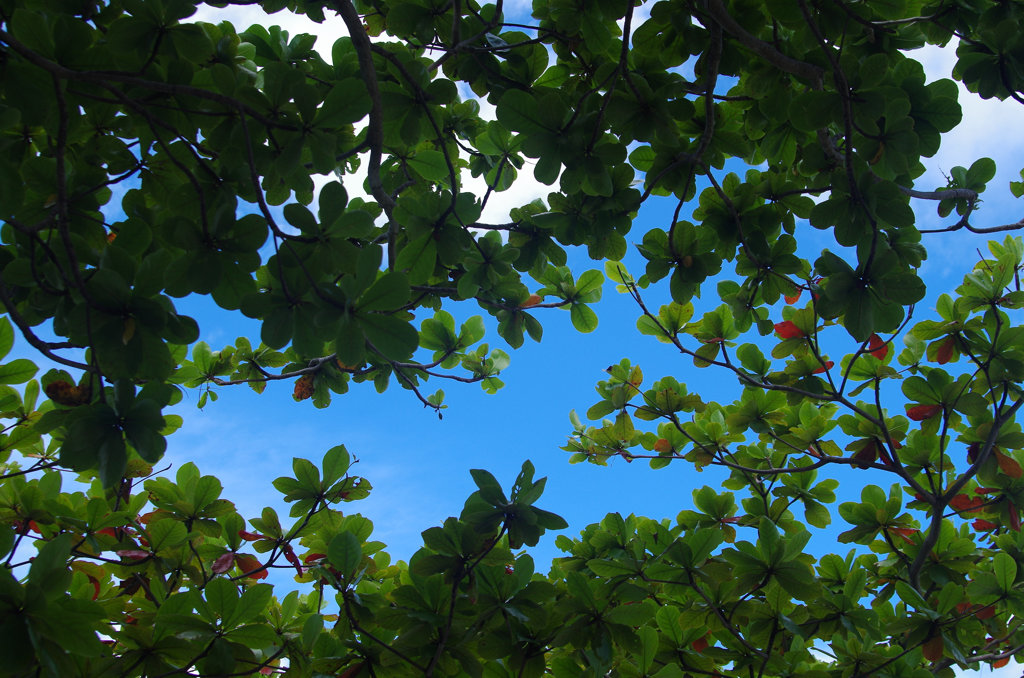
147, 158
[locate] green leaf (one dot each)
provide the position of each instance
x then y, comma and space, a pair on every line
6, 337
1005, 569
520, 111
583, 317
253, 602
346, 103
980, 173
431, 165
390, 291
17, 371
490, 489
335, 465
393, 337
345, 553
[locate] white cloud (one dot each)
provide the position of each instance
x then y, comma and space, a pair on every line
987, 129
242, 17
526, 188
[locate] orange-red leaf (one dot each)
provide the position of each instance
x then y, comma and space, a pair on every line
663, 446
793, 298
788, 330
250, 566
823, 368
67, 394
531, 301
1000, 663
933, 648
877, 347
903, 532
1008, 465
303, 387
250, 536
922, 412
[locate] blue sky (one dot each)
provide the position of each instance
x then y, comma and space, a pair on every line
419, 466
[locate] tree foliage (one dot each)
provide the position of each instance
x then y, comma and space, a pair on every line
145, 158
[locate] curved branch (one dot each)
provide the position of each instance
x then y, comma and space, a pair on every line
375, 131
801, 69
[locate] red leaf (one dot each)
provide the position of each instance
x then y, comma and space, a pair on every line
866, 455
223, 563
1014, 517
250, 566
982, 525
314, 557
787, 330
290, 556
945, 351
972, 452
986, 612
883, 456
250, 536
108, 531
352, 671
133, 554
922, 412
877, 347
1000, 663
963, 502
793, 298
95, 586
827, 366
700, 644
